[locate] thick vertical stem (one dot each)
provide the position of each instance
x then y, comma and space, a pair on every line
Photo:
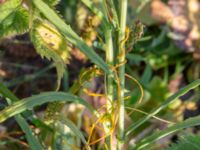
109, 82
110, 62
123, 10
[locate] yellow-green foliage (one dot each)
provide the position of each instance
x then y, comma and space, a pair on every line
50, 43
13, 19
52, 2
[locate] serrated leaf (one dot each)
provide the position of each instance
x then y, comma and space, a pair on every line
8, 7
13, 18
70, 35
52, 39
51, 44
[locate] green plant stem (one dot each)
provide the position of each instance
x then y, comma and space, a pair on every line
110, 62
109, 78
123, 10
109, 81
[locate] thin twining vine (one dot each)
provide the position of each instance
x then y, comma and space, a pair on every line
113, 116
145, 113
122, 43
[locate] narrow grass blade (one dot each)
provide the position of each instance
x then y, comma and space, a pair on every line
142, 5
163, 106
74, 129
158, 135
29, 103
70, 35
5, 92
97, 12
186, 142
32, 140
114, 12
28, 77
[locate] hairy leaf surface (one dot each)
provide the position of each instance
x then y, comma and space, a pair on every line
51, 44
70, 35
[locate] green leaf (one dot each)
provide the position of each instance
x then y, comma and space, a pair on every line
189, 142
8, 7
146, 76
29, 103
170, 100
135, 58
5, 92
96, 11
52, 2
51, 44
73, 128
70, 35
33, 141
157, 84
84, 76
160, 134
13, 18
